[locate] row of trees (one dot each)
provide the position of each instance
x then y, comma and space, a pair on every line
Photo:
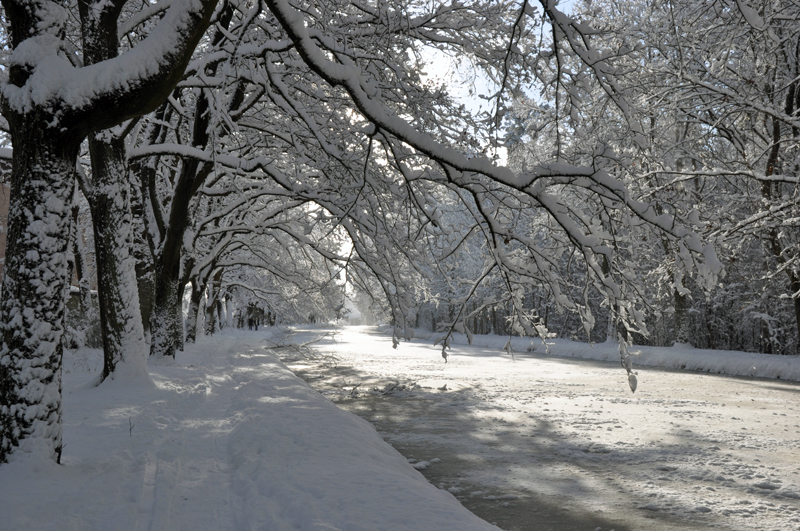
694, 107
708, 131
285, 150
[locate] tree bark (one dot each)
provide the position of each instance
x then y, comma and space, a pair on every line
108, 194
33, 306
229, 311
80, 267
117, 289
198, 287
143, 255
164, 327
681, 304
168, 258
180, 332
46, 132
212, 321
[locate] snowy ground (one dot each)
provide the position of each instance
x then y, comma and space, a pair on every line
229, 439
226, 439
546, 441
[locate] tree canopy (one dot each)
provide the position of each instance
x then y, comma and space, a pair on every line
276, 158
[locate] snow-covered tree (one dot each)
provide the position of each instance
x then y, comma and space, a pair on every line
711, 89
63, 81
320, 103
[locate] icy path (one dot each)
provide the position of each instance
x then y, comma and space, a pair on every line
550, 443
227, 439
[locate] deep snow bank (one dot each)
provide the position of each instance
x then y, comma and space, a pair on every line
229, 439
734, 363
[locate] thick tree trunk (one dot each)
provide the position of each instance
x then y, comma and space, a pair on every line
143, 255
80, 268
681, 304
212, 320
124, 347
164, 325
46, 132
167, 330
222, 316
198, 287
166, 322
180, 331
217, 302
71, 259
229, 310
35, 281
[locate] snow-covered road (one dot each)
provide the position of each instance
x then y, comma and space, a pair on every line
224, 439
539, 442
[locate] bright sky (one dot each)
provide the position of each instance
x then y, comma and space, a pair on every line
463, 83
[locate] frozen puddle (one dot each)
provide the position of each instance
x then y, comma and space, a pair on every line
547, 443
